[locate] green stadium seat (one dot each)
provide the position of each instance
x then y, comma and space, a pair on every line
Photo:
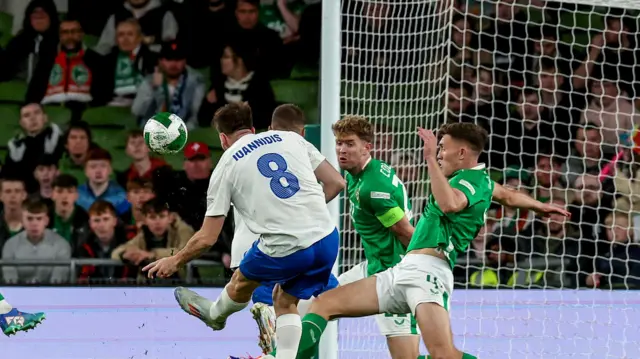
299, 92
90, 41
119, 160
108, 138
107, 116
304, 73
58, 114
175, 160
13, 91
10, 115
6, 25
206, 135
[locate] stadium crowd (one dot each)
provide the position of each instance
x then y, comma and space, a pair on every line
557, 114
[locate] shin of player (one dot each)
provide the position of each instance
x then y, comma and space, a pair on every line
422, 283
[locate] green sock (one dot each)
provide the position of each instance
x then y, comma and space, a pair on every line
1, 297
312, 327
317, 353
422, 357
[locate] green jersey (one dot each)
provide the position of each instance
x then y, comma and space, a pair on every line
452, 232
378, 200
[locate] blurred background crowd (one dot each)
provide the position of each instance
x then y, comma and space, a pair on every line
554, 84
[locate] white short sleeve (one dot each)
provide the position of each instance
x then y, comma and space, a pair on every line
314, 155
219, 192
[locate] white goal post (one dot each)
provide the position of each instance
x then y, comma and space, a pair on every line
520, 293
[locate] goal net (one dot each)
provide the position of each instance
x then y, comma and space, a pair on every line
554, 84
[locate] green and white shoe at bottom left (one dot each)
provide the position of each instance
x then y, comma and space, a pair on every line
12, 320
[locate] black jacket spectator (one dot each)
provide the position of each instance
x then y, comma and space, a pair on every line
89, 247
239, 83
27, 50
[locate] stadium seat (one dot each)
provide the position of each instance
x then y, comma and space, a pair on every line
301, 92
58, 114
107, 116
304, 73
206, 135
6, 24
13, 91
109, 138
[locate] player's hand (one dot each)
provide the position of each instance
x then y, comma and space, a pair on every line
158, 78
597, 41
226, 260
162, 268
546, 209
430, 142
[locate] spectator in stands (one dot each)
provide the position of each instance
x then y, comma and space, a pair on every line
619, 268
207, 20
527, 133
458, 101
12, 194
139, 191
589, 155
609, 108
126, 66
548, 176
561, 105
36, 41
239, 83
591, 205
45, 173
383, 143
156, 20
173, 87
556, 240
162, 234
498, 271
105, 236
627, 185
617, 47
36, 242
98, 186
511, 221
66, 78
479, 244
283, 17
263, 43
78, 143
37, 137
186, 192
143, 165
67, 219
460, 51
546, 45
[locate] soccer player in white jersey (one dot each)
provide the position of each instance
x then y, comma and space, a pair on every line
269, 178
286, 117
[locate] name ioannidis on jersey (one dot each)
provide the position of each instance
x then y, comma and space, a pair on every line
245, 150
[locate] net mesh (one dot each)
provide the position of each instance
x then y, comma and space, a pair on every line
554, 84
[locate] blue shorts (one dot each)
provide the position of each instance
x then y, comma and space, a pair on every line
263, 294
303, 274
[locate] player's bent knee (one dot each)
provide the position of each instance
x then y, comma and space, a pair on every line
240, 288
404, 347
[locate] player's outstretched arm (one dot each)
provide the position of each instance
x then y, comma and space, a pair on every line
332, 181
511, 198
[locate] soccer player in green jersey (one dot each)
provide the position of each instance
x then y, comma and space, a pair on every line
422, 283
381, 214
13, 320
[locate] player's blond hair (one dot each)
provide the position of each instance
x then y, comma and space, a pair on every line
354, 125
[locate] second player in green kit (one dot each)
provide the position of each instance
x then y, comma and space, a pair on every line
381, 214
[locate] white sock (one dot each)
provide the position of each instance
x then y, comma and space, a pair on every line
5, 307
225, 306
288, 333
303, 306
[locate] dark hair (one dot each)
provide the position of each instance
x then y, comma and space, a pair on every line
288, 117
547, 64
547, 31
25, 104
255, 3
65, 181
470, 133
98, 154
138, 183
244, 52
47, 160
547, 153
135, 133
79, 126
154, 206
12, 178
462, 85
233, 117
35, 205
101, 207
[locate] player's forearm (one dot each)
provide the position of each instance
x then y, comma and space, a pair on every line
197, 245
440, 188
516, 199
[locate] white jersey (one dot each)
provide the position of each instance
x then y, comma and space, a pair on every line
242, 241
269, 178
